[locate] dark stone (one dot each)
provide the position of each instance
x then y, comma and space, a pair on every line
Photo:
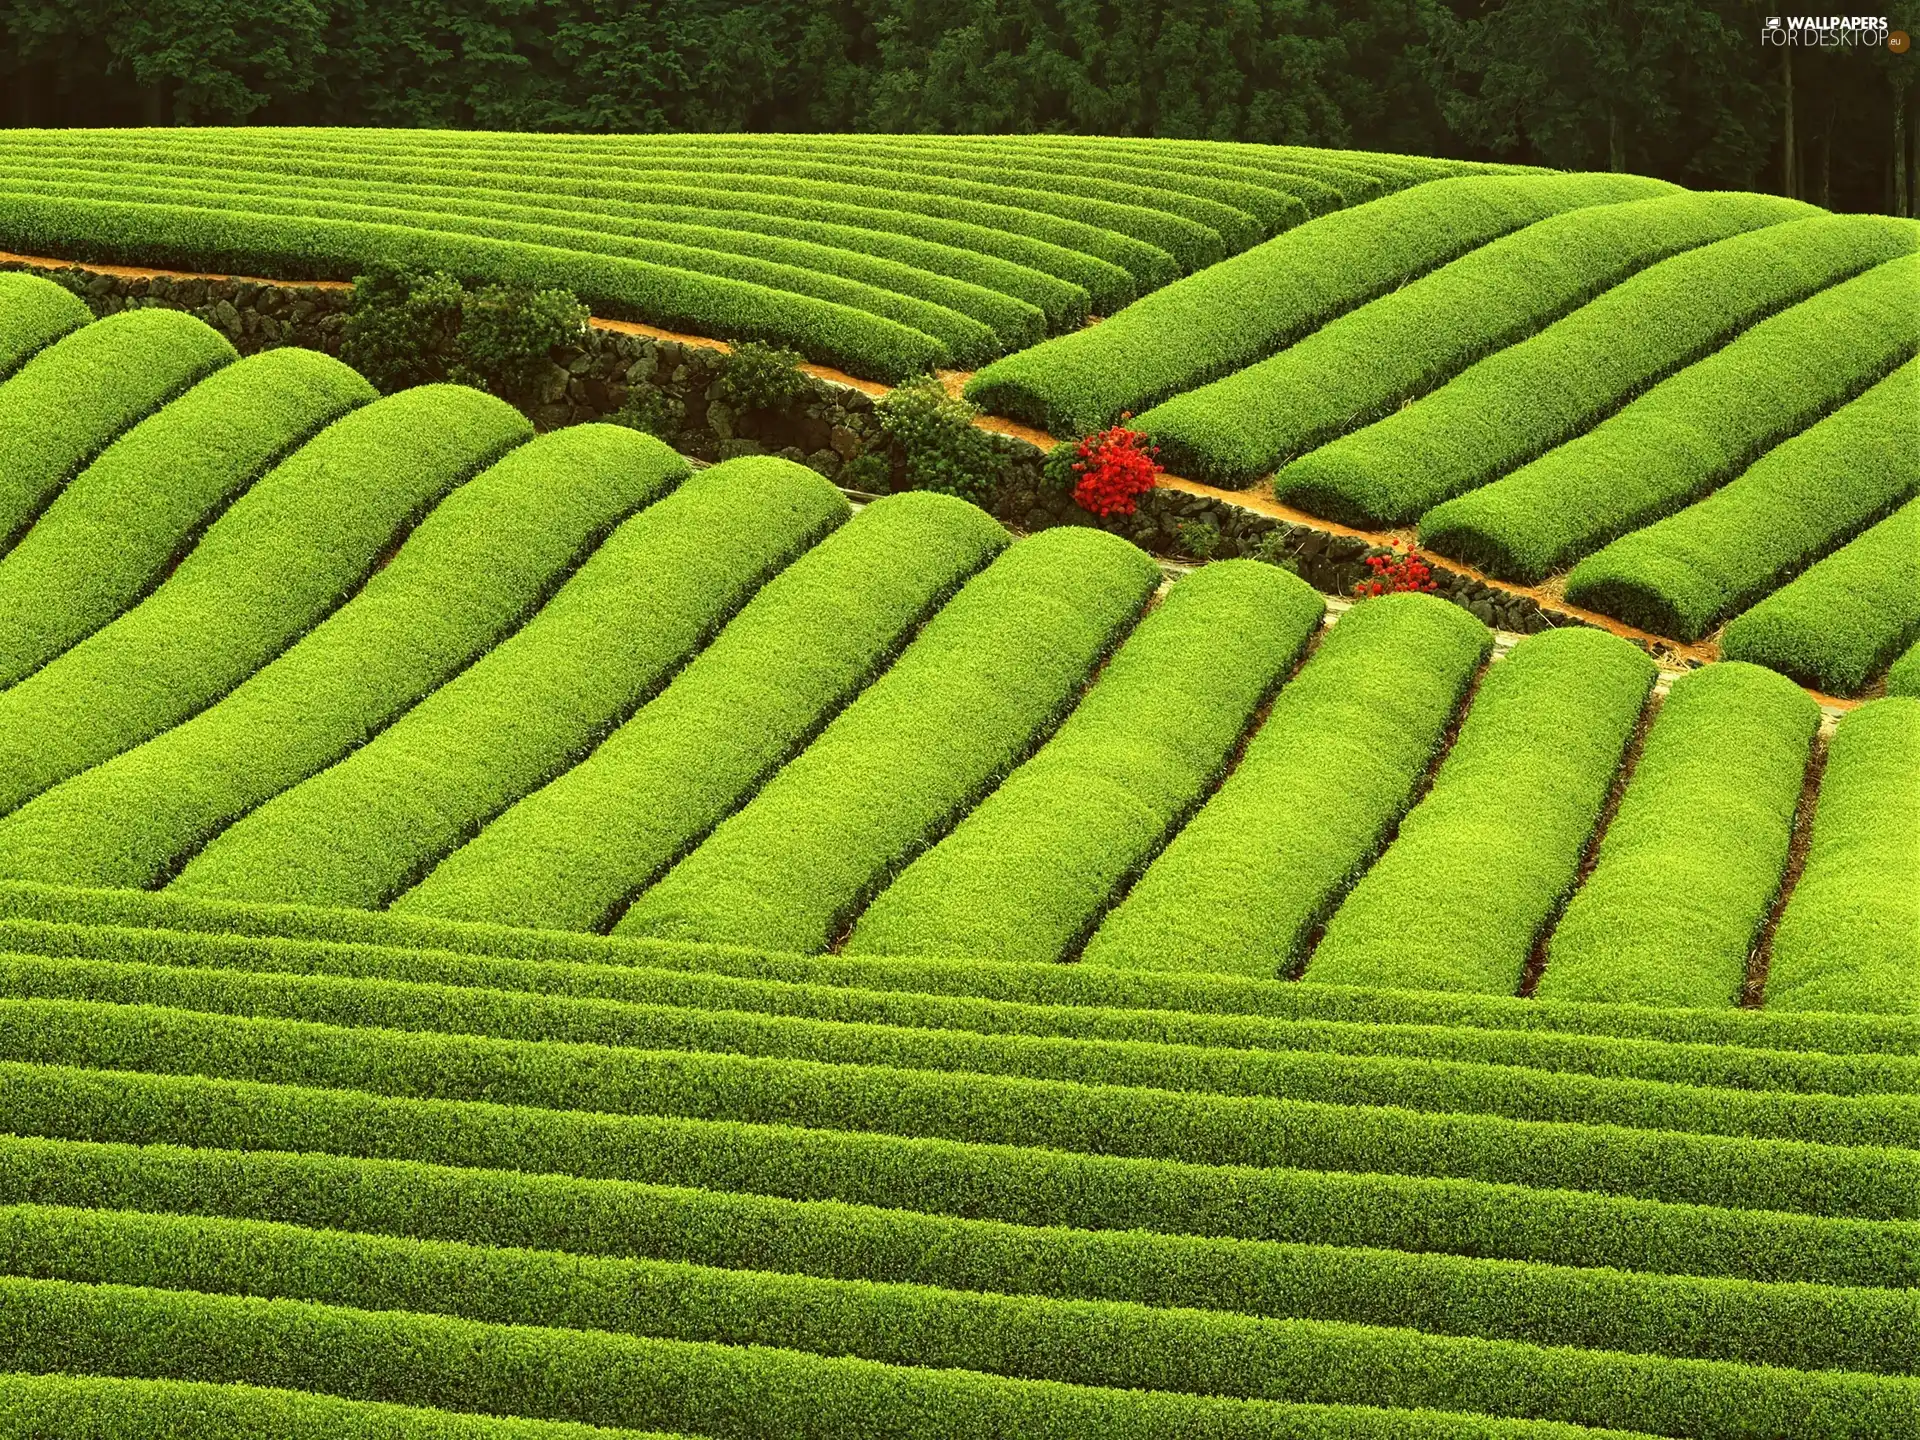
1481, 610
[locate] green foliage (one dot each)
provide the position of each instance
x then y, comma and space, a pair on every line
1522, 401
1245, 309
651, 412
1844, 620
1199, 538
1482, 864
468, 574
507, 335
109, 536
1689, 434
1850, 938
1313, 799
970, 698
1802, 499
1694, 857
34, 312
1028, 873
403, 327
76, 395
569, 855
762, 377
943, 449
282, 558
1904, 677
1371, 360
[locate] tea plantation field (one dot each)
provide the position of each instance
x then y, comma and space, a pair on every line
514, 936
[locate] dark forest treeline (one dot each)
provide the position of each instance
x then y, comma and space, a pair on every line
1679, 88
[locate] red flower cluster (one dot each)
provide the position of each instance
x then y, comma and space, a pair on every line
1114, 467
1395, 573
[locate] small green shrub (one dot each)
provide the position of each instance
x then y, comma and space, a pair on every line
943, 450
865, 473
651, 412
507, 335
402, 327
762, 377
1277, 547
1199, 538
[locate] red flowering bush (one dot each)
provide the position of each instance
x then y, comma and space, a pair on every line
1112, 468
1394, 573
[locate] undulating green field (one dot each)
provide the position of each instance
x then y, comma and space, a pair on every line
512, 935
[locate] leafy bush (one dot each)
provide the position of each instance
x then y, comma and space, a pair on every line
507, 336
651, 412
1112, 470
762, 377
402, 327
1199, 538
1396, 573
943, 448
34, 312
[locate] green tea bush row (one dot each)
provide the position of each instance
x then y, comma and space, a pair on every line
1522, 401
1846, 618
294, 248
631, 1097
1799, 501
75, 396
569, 855
660, 587
1803, 1326
967, 701
34, 312
1447, 1086
1322, 782
1850, 938
1688, 435
473, 570
1694, 857
282, 558
110, 535
1262, 300
1027, 874
1482, 864
1903, 677
1363, 365
1022, 1186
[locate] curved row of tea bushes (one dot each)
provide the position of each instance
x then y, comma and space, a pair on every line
292, 248
72, 399
110, 535
1357, 368
591, 1157
1482, 864
281, 559
1799, 501
1689, 434
1806, 1327
1156, 1351
1321, 785
967, 701
1027, 874
1445, 1086
1694, 857
1246, 308
34, 312
648, 598
1903, 677
1839, 624
1850, 938
571, 854
631, 1100
474, 569
1522, 401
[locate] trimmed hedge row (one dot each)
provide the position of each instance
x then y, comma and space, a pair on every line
284, 556
1850, 938
1689, 434
1481, 865
1333, 767
1904, 676
967, 701
1027, 875
1800, 1325
1023, 1186
1363, 365
1522, 401
1244, 309
571, 854
659, 588
34, 312
473, 570
1844, 619
1445, 1086
627, 1099
1799, 501
1164, 1352
1692, 862
74, 397
110, 535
